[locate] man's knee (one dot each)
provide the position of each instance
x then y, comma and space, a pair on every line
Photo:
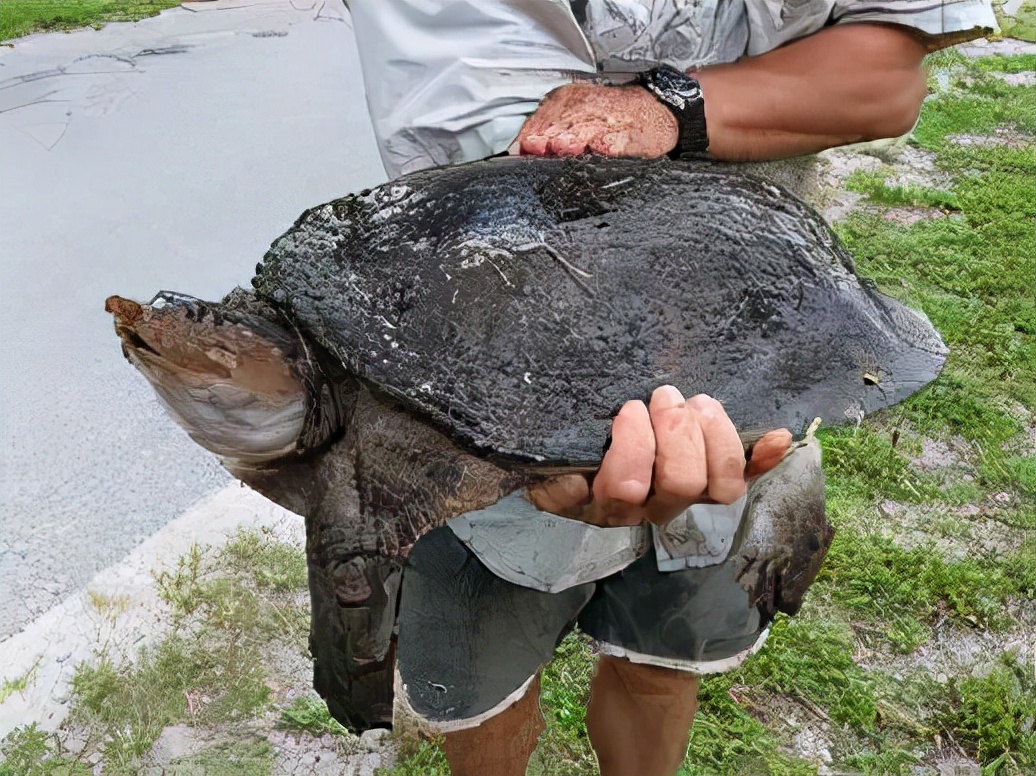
500, 745
647, 681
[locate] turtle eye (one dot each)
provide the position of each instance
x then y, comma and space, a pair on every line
869, 379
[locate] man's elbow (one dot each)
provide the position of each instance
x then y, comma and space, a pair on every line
896, 105
893, 82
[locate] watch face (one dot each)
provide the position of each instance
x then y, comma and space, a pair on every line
682, 95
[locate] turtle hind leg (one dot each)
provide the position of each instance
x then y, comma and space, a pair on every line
242, 385
353, 615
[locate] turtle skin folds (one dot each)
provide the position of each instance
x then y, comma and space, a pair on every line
384, 484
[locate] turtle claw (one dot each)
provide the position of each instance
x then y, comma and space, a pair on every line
224, 375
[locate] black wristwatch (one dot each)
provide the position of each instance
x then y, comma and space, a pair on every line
682, 95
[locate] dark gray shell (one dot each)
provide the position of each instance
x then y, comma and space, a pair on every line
518, 302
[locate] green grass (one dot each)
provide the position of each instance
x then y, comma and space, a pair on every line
874, 576
1022, 25
873, 185
29, 751
24, 17
227, 611
233, 758
309, 715
564, 748
18, 684
994, 714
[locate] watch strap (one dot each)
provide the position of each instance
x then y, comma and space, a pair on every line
682, 95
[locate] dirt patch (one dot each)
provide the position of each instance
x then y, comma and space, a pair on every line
331, 755
1001, 137
1005, 47
954, 650
902, 166
951, 532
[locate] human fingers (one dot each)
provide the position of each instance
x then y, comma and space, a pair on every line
553, 116
680, 475
724, 453
768, 451
568, 143
533, 145
623, 481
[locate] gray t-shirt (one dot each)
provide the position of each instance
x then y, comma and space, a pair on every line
450, 81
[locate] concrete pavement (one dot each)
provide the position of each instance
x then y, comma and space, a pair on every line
164, 154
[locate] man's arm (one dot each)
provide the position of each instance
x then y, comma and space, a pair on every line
843, 84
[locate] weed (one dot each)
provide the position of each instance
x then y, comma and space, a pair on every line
892, 760
227, 609
874, 576
417, 758
874, 185
232, 758
727, 739
19, 684
29, 751
181, 679
564, 749
271, 564
310, 715
179, 588
863, 462
1004, 63
993, 716
1022, 25
109, 607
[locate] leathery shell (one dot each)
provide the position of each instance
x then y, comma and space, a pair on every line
518, 302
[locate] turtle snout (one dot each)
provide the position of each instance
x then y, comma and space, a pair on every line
126, 311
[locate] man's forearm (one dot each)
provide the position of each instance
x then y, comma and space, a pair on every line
844, 84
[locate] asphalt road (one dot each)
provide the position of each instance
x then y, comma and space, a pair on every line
165, 154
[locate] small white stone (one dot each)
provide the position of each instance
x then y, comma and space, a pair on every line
374, 738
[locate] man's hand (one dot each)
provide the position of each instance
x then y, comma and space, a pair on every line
663, 458
607, 120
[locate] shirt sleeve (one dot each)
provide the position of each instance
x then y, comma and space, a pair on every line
939, 23
450, 81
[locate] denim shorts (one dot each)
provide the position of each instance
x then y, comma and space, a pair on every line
470, 642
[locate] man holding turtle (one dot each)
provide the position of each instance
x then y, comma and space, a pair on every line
736, 80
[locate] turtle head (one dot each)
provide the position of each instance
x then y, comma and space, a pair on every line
224, 375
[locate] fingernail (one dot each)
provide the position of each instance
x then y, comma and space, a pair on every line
669, 393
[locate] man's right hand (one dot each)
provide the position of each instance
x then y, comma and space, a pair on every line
664, 456
592, 118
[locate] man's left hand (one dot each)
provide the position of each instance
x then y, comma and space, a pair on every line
608, 120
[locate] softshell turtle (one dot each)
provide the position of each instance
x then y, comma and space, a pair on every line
422, 349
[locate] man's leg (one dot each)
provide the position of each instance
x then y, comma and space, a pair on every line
639, 717
503, 744
469, 641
